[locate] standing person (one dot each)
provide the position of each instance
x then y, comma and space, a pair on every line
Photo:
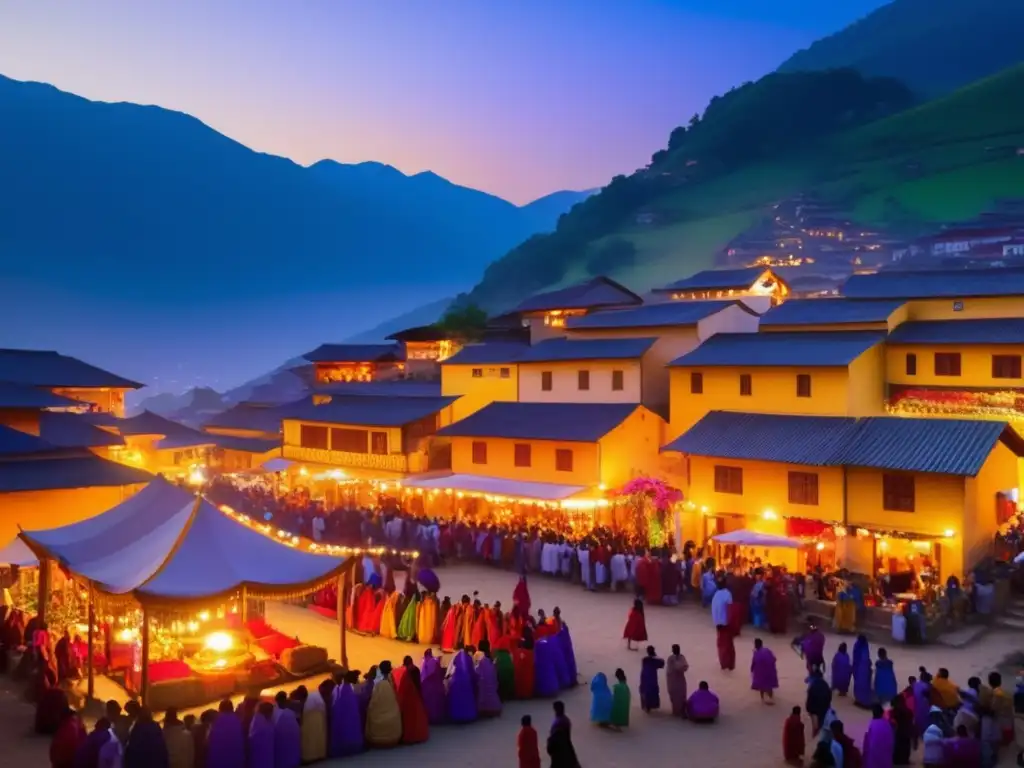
415, 722
676, 668
600, 701
650, 693
903, 721
181, 749
226, 743
764, 674
146, 747
261, 737
287, 736
66, 741
863, 696
933, 740
720, 617
560, 748
879, 741
621, 698
885, 678
819, 700
921, 690
314, 727
636, 627
813, 647
793, 741
842, 671
527, 746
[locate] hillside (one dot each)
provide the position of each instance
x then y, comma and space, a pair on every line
945, 159
934, 46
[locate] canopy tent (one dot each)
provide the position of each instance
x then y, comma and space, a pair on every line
167, 545
277, 464
497, 486
745, 538
17, 553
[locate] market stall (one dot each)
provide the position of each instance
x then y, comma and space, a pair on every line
754, 548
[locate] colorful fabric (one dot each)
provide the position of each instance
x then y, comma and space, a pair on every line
600, 700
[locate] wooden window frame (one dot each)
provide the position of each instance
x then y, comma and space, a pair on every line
804, 488
1006, 366
746, 385
563, 460
583, 380
477, 373
910, 364
378, 443
523, 455
696, 383
728, 479
349, 440
618, 381
547, 381
803, 385
505, 373
948, 364
319, 429
899, 492
479, 452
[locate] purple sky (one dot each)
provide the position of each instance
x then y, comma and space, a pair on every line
518, 98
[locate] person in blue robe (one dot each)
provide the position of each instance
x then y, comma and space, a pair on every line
650, 691
346, 722
225, 745
885, 678
565, 643
842, 671
863, 694
600, 701
461, 690
545, 669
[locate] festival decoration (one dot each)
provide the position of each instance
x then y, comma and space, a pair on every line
1006, 405
649, 499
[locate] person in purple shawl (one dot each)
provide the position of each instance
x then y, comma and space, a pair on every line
461, 693
225, 746
261, 737
650, 692
879, 741
347, 718
146, 747
88, 754
764, 674
432, 688
863, 692
703, 705
287, 737
813, 648
487, 698
565, 643
922, 692
842, 671
561, 667
545, 670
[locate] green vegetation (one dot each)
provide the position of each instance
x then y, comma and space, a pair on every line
464, 319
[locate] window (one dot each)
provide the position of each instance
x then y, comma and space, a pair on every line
746, 385
478, 373
505, 372
479, 452
563, 459
523, 455
728, 480
545, 381
618, 381
312, 436
583, 380
379, 443
351, 440
1005, 366
947, 363
803, 488
803, 385
898, 493
911, 364
696, 383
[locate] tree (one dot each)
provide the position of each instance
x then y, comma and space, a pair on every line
695, 120
466, 320
614, 254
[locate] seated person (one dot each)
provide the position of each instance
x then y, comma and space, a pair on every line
945, 693
702, 706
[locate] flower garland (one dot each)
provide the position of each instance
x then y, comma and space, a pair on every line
649, 493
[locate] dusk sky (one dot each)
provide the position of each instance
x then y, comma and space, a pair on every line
515, 98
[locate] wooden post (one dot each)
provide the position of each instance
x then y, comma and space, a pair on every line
243, 608
342, 603
43, 595
90, 683
144, 687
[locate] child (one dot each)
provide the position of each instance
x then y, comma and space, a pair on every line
793, 746
527, 744
621, 697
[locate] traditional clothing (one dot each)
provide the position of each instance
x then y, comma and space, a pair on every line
863, 695
226, 745
181, 750
70, 736
389, 618
600, 700
726, 648
461, 694
427, 627
650, 692
407, 629
523, 669
432, 689
885, 681
415, 723
383, 718
88, 753
793, 746
287, 740
842, 671
568, 653
560, 748
488, 699
261, 742
545, 674
345, 722
636, 628
676, 667
528, 748
879, 743
621, 696
314, 728
506, 674
764, 674
703, 706
451, 629
813, 648
146, 747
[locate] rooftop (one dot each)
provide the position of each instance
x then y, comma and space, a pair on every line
149, 423
936, 283
25, 396
250, 416
13, 442
592, 294
570, 422
488, 353
718, 280
41, 368
564, 349
48, 474
398, 388
369, 411
72, 430
830, 312
355, 353
248, 444
817, 349
674, 313
989, 331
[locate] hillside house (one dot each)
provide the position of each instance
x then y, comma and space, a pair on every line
426, 347
759, 287
357, 362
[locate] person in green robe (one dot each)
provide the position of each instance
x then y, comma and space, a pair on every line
506, 674
407, 625
620, 700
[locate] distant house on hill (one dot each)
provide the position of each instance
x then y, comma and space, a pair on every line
356, 362
759, 287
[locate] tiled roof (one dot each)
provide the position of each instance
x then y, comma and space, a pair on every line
820, 349
41, 368
397, 388
355, 353
24, 396
249, 444
77, 472
149, 423
994, 331
594, 293
571, 422
938, 283
72, 430
942, 446
651, 315
488, 353
830, 312
717, 280
811, 440
258, 418
190, 439
14, 442
564, 349
370, 411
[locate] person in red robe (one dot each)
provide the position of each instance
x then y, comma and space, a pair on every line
493, 622
793, 745
521, 597
527, 745
451, 631
777, 606
69, 737
469, 617
635, 630
523, 670
479, 630
415, 724
726, 648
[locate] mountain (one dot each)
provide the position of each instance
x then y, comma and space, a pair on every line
934, 46
424, 315
115, 210
829, 137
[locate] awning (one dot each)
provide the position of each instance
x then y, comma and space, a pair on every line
277, 464
17, 553
497, 486
747, 538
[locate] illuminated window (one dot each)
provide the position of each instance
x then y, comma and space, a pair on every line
898, 493
545, 381
479, 452
583, 380
523, 455
696, 383
803, 385
803, 488
911, 364
729, 480
947, 363
618, 381
313, 436
1006, 366
478, 373
379, 443
746, 385
563, 459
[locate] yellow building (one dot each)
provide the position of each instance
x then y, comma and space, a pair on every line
835, 314
426, 347
245, 436
162, 446
882, 493
822, 373
759, 286
356, 362
481, 374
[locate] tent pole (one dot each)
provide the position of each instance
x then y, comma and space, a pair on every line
90, 685
243, 609
43, 596
144, 692
342, 619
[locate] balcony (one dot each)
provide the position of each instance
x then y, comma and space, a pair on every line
390, 462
